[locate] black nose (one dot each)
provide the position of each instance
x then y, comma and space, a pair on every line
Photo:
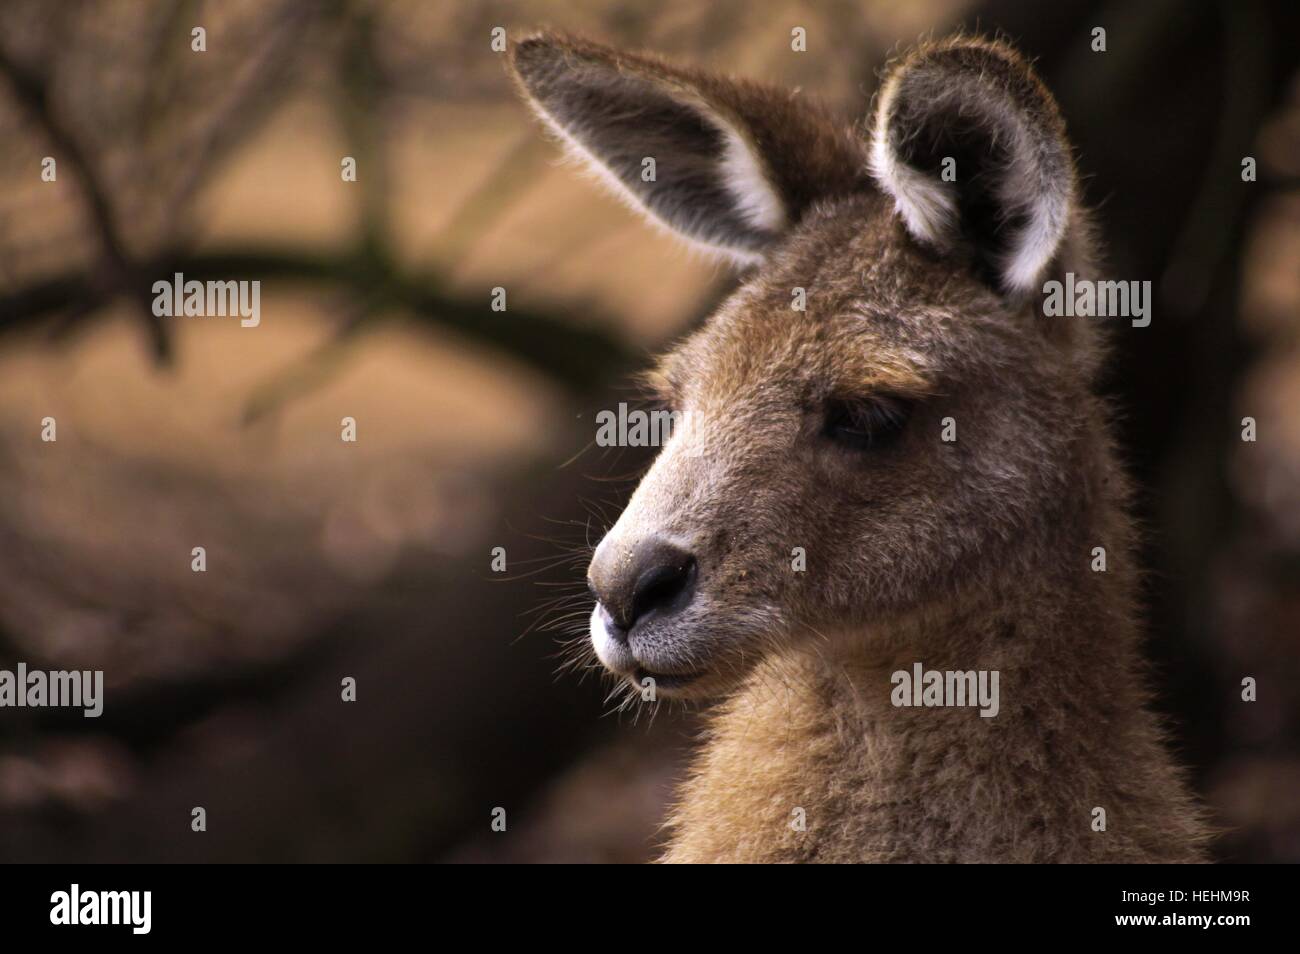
657, 578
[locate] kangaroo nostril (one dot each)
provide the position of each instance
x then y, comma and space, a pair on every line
664, 586
654, 577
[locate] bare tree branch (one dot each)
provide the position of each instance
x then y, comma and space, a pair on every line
563, 352
118, 273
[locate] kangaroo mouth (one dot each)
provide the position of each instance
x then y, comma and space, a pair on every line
631, 659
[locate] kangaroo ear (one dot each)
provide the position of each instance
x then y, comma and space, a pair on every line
728, 164
972, 148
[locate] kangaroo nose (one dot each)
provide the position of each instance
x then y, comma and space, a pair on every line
657, 578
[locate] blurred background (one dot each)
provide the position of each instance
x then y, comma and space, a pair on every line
372, 559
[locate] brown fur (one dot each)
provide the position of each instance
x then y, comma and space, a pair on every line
967, 555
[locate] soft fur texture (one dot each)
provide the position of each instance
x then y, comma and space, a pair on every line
973, 554
735, 162
988, 112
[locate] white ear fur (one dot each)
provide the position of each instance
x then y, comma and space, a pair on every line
1035, 185
1048, 213
611, 111
742, 170
928, 205
615, 186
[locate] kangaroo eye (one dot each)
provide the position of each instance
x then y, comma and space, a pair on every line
866, 424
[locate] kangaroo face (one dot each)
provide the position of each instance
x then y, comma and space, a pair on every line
855, 415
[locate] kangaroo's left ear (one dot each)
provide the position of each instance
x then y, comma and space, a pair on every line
727, 163
972, 148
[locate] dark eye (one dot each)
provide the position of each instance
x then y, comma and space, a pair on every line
866, 424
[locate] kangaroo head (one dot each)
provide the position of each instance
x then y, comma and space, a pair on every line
881, 407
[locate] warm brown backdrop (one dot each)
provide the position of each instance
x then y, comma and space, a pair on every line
371, 559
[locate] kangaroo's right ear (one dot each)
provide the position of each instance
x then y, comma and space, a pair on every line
726, 163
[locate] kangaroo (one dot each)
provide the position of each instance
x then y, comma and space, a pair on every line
895, 460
